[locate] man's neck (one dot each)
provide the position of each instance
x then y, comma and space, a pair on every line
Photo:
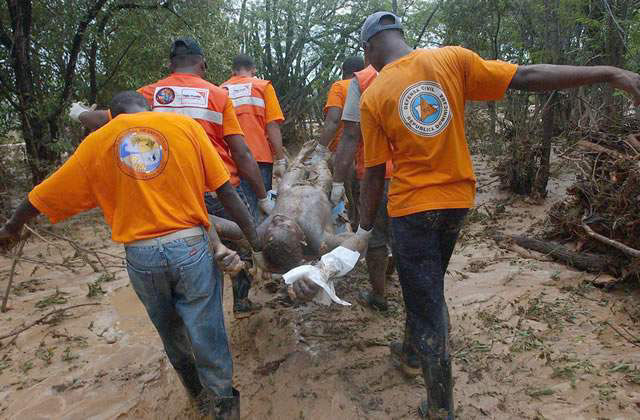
396, 51
242, 73
186, 70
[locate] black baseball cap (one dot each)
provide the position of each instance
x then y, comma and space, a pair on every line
372, 25
185, 46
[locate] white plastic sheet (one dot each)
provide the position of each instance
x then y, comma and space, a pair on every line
335, 264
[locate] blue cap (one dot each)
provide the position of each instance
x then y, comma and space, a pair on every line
185, 46
372, 25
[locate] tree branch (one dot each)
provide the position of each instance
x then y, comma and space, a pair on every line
426, 25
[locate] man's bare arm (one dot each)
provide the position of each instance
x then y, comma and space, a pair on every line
330, 126
247, 166
346, 152
239, 213
371, 195
10, 232
545, 77
274, 135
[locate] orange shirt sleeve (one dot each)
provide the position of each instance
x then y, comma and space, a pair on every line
336, 97
67, 191
230, 124
485, 80
215, 171
376, 145
273, 112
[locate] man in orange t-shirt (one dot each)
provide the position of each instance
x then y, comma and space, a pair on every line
414, 115
332, 128
186, 92
258, 111
148, 172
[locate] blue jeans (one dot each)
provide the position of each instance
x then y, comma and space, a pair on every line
181, 289
266, 171
422, 245
241, 281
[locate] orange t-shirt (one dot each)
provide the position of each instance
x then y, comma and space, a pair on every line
256, 105
148, 172
191, 95
414, 114
336, 98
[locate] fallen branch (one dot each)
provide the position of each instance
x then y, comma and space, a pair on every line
592, 263
611, 242
601, 149
632, 340
16, 256
43, 319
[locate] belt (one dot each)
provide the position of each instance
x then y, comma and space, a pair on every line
181, 234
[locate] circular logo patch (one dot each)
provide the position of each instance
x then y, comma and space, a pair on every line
424, 109
142, 153
165, 96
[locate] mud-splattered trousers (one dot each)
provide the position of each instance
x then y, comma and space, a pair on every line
422, 245
181, 288
241, 281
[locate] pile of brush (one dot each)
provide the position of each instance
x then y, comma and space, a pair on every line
602, 211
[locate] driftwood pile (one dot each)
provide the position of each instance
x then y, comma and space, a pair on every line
602, 212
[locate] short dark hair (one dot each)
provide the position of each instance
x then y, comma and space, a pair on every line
122, 102
242, 61
352, 64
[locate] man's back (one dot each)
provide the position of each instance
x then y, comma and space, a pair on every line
147, 171
419, 100
255, 103
189, 94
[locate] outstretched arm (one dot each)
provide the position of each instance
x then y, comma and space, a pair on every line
544, 77
247, 166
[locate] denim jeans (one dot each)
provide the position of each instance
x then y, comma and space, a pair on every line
241, 281
422, 246
266, 171
181, 289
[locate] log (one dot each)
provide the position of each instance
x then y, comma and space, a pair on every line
592, 263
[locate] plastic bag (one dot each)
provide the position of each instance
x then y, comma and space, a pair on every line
336, 263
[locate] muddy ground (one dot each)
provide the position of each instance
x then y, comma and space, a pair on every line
530, 338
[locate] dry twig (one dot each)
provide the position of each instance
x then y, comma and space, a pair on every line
43, 319
16, 256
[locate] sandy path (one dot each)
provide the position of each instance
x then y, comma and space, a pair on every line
531, 338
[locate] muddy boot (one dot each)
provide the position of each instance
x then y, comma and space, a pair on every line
405, 359
439, 384
242, 306
226, 408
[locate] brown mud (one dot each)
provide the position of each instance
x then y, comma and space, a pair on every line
530, 338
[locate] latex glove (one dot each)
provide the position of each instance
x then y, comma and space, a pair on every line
337, 193
279, 167
265, 205
228, 260
78, 108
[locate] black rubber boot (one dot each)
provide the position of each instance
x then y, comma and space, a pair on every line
439, 384
242, 306
226, 408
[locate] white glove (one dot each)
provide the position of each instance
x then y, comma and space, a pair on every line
279, 167
337, 192
265, 205
78, 108
363, 233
